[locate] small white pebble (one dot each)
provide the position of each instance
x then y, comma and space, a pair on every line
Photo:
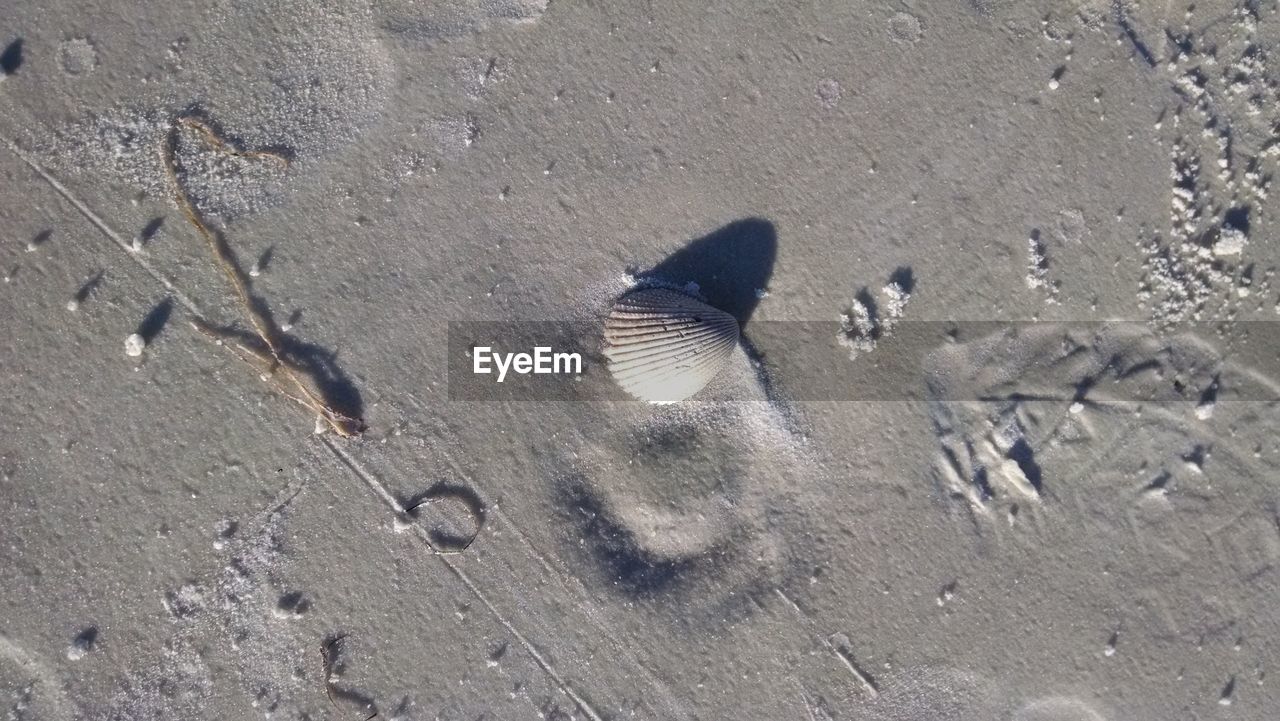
79, 648
73, 305
321, 426
1075, 407
401, 523
1053, 83
134, 345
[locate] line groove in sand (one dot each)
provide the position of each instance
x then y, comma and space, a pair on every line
379, 490
371, 482
96, 221
868, 685
578, 588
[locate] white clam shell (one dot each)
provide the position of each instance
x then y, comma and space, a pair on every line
663, 346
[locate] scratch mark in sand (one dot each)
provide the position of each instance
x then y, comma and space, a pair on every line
839, 650
804, 701
868, 683
102, 226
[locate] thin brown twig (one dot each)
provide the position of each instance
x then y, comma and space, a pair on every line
225, 259
217, 141
256, 357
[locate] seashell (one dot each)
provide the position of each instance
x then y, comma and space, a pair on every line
663, 346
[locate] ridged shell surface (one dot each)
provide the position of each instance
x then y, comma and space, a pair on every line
663, 346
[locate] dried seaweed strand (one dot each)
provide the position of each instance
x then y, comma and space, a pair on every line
212, 138
327, 653
223, 257
255, 357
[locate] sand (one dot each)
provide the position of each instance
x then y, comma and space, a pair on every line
998, 442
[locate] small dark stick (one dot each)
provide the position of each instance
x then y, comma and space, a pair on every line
328, 657
327, 653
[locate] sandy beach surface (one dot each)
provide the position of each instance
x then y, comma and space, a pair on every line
997, 442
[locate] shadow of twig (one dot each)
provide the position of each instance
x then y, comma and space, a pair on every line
11, 58
155, 321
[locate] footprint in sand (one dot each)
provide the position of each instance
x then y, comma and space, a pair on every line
1028, 414
696, 499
